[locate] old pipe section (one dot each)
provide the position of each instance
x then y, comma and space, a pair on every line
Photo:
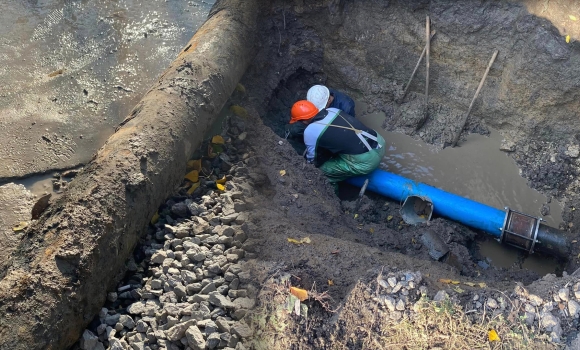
66, 261
509, 227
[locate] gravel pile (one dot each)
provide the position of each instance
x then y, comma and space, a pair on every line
190, 290
398, 292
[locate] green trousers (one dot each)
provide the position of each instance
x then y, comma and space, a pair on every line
343, 166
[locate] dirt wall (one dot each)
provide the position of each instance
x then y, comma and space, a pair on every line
79, 246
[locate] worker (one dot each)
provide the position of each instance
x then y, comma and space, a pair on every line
323, 97
337, 143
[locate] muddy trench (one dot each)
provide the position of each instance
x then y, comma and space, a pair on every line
371, 60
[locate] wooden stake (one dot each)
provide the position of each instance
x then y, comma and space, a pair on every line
473, 100
427, 52
415, 70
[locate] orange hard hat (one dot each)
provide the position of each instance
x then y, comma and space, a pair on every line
302, 110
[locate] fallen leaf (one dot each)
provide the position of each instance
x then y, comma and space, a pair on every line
330, 282
221, 181
217, 140
355, 216
567, 39
458, 290
194, 165
492, 335
471, 284
389, 218
193, 187
335, 251
574, 241
282, 172
482, 285
220, 187
239, 111
192, 176
301, 294
40, 206
241, 88
299, 241
21, 226
372, 230
413, 240
572, 17
56, 72
155, 218
297, 307
561, 306
448, 281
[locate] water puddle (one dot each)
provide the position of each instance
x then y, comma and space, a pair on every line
477, 170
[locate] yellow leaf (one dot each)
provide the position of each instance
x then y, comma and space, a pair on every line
492, 335
194, 164
482, 285
300, 241
574, 241
413, 240
239, 111
458, 290
355, 216
301, 294
448, 281
192, 176
330, 282
21, 226
389, 218
220, 187
241, 88
471, 284
372, 230
221, 181
193, 187
155, 218
217, 140
572, 17
282, 172
568, 39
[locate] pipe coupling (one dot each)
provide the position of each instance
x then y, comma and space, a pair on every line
520, 230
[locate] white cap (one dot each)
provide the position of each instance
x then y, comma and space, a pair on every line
318, 95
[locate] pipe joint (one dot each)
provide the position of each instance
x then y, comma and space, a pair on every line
520, 230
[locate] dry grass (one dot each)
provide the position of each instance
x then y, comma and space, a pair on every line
360, 325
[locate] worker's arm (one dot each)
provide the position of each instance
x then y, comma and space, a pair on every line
343, 102
310, 143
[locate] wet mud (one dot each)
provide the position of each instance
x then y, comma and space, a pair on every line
72, 71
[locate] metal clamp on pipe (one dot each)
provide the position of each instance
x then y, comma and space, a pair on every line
520, 230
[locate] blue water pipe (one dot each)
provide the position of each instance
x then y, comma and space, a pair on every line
510, 227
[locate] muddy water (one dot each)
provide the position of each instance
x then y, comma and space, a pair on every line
72, 70
477, 170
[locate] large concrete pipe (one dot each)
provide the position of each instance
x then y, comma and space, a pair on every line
509, 227
67, 260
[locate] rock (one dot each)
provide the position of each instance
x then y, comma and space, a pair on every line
241, 330
112, 320
217, 299
116, 344
244, 303
400, 305
549, 321
397, 288
573, 151
441, 296
141, 326
564, 294
103, 313
556, 334
195, 338
99, 346
210, 287
178, 331
573, 308
576, 290
491, 303
180, 209
535, 300
507, 146
127, 321
112, 297
213, 340
392, 281
118, 327
180, 291
159, 257
478, 305
88, 340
